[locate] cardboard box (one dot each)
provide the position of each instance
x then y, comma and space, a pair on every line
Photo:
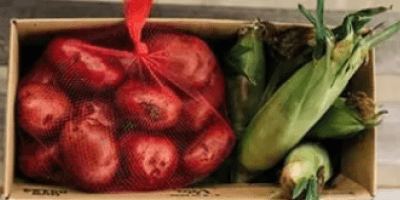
358, 169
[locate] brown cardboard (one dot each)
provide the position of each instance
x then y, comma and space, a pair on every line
11, 91
363, 154
358, 179
346, 189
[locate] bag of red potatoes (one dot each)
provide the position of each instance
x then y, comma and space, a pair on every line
144, 115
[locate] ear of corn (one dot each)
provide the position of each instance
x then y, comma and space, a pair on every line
245, 83
306, 170
290, 51
244, 90
347, 117
303, 99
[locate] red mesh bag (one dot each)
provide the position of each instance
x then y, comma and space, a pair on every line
100, 116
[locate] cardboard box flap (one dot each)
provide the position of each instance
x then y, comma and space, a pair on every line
363, 154
205, 27
8, 171
344, 189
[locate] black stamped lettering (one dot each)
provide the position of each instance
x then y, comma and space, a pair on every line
45, 192
194, 192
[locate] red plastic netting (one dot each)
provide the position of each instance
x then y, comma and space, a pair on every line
113, 115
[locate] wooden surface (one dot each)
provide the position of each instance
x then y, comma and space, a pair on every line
387, 61
288, 4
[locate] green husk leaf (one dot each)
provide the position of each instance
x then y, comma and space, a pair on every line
337, 122
373, 40
360, 24
347, 117
233, 60
307, 14
357, 21
312, 192
284, 69
369, 12
322, 33
300, 187
247, 55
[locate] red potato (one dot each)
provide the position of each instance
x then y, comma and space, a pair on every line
43, 72
86, 67
209, 150
184, 59
96, 109
153, 107
89, 154
36, 160
151, 159
42, 109
198, 111
214, 90
112, 36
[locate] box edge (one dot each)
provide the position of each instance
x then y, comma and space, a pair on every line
9, 126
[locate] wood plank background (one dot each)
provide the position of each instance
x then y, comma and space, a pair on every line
286, 4
387, 59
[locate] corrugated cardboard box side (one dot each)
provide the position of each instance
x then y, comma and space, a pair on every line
358, 168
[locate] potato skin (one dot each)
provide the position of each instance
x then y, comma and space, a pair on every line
89, 154
151, 159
